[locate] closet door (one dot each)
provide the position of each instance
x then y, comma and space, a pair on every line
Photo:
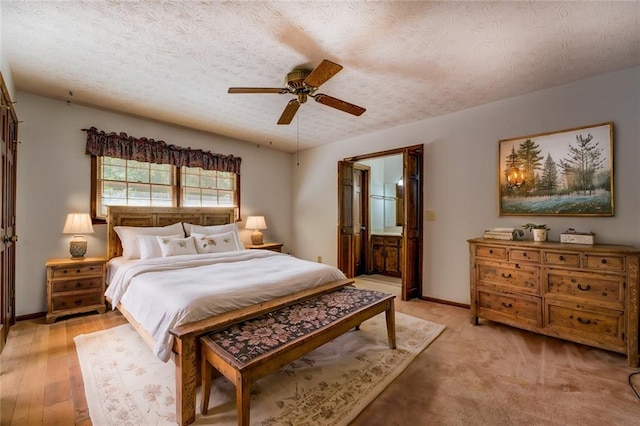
8, 238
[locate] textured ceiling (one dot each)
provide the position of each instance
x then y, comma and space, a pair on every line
403, 61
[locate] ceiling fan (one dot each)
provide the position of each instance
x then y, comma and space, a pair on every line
305, 83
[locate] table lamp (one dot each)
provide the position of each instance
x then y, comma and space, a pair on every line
78, 224
256, 223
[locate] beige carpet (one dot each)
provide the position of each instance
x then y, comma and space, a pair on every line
125, 384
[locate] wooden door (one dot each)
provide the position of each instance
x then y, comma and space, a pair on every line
361, 218
9, 136
412, 232
346, 242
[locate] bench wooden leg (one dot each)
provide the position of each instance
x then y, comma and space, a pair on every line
243, 399
206, 383
390, 315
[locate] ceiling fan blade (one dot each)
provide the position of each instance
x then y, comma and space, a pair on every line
257, 90
322, 73
289, 111
339, 104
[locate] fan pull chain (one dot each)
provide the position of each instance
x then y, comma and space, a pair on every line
298, 140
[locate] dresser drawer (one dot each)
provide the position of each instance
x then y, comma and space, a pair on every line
524, 255
587, 322
518, 307
604, 262
561, 259
61, 303
492, 252
510, 277
77, 284
608, 289
88, 269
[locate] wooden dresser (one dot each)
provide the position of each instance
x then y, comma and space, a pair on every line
75, 286
583, 293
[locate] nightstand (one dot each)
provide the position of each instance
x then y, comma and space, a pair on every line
266, 246
75, 286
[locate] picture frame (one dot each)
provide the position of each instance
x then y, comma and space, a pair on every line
562, 173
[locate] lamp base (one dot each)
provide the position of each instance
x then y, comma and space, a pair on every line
78, 247
257, 238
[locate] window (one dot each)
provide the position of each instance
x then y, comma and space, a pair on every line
134, 183
207, 188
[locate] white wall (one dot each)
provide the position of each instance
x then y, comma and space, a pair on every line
54, 179
460, 174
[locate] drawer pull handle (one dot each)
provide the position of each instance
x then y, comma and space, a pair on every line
78, 301
506, 275
78, 285
603, 261
561, 257
524, 254
587, 288
582, 321
507, 305
77, 271
490, 251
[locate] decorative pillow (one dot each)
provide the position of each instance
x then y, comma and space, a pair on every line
216, 243
209, 230
127, 235
171, 246
149, 246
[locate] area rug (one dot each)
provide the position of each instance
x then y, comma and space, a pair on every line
125, 384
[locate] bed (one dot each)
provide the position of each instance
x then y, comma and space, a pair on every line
171, 301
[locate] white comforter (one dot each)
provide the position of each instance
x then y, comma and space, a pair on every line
162, 293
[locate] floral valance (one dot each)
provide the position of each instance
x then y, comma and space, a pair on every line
102, 144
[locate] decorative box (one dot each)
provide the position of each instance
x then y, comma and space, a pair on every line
570, 236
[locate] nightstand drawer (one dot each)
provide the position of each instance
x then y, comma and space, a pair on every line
72, 301
90, 269
77, 284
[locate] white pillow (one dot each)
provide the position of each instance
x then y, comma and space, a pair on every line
172, 246
149, 246
209, 230
216, 243
127, 235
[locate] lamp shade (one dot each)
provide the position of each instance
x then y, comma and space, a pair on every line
78, 223
256, 222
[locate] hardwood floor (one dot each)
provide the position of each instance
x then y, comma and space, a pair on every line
489, 374
41, 382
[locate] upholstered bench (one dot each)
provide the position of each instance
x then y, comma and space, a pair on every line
251, 349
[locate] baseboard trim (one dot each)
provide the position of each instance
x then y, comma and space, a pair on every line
445, 302
31, 316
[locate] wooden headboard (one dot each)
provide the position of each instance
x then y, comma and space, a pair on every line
161, 216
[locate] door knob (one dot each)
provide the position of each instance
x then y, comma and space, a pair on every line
10, 239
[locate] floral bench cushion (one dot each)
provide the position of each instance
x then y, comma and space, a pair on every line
252, 338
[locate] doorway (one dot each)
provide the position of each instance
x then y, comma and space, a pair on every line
355, 233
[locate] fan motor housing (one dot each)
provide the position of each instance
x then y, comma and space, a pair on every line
295, 79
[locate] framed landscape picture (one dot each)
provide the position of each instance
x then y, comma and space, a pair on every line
564, 173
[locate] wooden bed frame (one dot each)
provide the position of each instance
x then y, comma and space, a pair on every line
186, 347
